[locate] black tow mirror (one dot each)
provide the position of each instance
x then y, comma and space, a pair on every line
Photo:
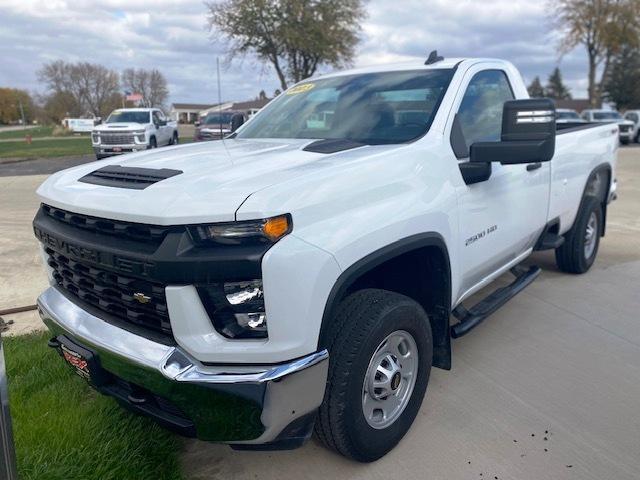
528, 134
237, 121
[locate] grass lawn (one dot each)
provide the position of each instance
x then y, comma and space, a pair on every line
46, 148
65, 430
34, 132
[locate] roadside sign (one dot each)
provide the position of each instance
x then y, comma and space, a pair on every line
7, 450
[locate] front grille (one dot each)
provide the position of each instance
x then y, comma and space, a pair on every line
116, 138
134, 231
112, 293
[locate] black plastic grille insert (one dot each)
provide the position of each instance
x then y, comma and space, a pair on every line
135, 231
136, 301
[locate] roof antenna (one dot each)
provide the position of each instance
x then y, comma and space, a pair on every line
433, 58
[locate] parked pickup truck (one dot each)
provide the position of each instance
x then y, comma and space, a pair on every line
131, 130
310, 269
611, 116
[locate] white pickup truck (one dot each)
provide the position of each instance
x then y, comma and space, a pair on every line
309, 270
131, 130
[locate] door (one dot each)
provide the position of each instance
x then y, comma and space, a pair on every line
163, 136
500, 218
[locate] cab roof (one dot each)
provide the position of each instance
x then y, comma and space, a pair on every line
447, 63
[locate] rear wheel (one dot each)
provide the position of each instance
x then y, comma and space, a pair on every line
380, 354
579, 251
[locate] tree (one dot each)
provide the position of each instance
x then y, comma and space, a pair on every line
535, 88
94, 88
622, 86
602, 27
13, 104
296, 37
151, 84
556, 88
59, 105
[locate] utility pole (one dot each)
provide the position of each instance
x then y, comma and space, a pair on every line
8, 468
24, 124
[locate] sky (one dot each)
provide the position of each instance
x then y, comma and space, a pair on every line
172, 36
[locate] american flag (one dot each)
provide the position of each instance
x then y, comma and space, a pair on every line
132, 97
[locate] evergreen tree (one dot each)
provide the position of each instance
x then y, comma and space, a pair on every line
535, 89
556, 88
622, 85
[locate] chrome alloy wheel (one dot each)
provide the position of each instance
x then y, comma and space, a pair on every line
390, 378
590, 235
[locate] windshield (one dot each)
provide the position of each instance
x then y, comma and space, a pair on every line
213, 118
128, 117
606, 116
567, 116
373, 108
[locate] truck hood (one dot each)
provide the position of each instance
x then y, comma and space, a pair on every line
217, 177
105, 127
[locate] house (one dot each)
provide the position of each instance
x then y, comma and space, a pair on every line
249, 108
192, 112
187, 112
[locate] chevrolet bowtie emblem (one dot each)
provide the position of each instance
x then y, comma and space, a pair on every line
141, 297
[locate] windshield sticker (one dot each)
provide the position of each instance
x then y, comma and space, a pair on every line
305, 87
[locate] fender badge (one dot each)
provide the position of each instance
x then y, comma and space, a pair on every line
141, 298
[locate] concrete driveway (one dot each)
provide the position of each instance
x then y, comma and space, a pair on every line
547, 388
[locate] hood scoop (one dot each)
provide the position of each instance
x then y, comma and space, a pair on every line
135, 178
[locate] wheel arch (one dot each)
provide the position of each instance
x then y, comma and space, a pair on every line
386, 268
598, 185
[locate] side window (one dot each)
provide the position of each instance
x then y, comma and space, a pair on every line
156, 117
632, 116
480, 113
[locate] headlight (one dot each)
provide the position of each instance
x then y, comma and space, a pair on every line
268, 230
236, 309
95, 137
140, 136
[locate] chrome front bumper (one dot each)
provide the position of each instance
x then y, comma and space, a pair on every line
239, 404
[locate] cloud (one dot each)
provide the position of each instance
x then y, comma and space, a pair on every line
171, 35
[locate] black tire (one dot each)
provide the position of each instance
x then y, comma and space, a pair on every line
624, 141
153, 143
571, 256
100, 157
174, 139
362, 321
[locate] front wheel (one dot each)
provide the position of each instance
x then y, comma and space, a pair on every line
380, 354
580, 248
174, 139
153, 142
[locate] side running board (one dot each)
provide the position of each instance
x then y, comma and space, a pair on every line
474, 316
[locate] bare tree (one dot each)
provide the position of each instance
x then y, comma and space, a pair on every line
151, 84
93, 88
295, 36
602, 27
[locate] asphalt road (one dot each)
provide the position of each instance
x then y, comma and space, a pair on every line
547, 388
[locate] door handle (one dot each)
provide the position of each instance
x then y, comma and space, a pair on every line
534, 166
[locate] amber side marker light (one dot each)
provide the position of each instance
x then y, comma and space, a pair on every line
276, 227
